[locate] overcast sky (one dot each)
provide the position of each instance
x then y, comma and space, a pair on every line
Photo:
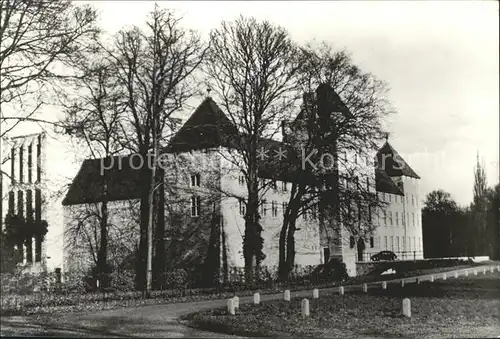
439, 58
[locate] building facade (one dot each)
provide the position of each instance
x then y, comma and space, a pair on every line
204, 205
33, 180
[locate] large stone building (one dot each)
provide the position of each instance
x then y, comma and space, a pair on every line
34, 169
204, 204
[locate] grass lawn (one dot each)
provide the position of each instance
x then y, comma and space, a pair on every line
463, 307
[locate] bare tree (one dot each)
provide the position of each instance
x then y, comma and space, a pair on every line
155, 67
38, 39
252, 69
93, 117
342, 113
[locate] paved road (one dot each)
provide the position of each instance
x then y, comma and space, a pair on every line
152, 321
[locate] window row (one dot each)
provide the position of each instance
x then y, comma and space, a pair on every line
399, 219
29, 204
387, 197
17, 156
271, 183
398, 244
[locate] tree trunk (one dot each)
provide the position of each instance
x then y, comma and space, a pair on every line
102, 267
159, 257
142, 253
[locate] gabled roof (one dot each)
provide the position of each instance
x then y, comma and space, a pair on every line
124, 181
388, 159
207, 127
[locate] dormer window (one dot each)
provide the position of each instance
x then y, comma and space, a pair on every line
283, 185
195, 180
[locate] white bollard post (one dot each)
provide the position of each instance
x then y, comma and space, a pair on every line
466, 273
236, 302
456, 275
406, 307
431, 279
315, 293
365, 288
402, 283
256, 298
491, 269
384, 285
444, 276
341, 290
484, 270
305, 308
286, 295
475, 272
498, 268
230, 306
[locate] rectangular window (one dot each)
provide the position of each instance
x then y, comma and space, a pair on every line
397, 244
39, 159
390, 218
397, 219
418, 244
390, 198
29, 204
369, 214
404, 243
385, 218
401, 199
20, 203
392, 243
195, 206
195, 180
274, 208
30, 163
38, 204
12, 203
409, 244
304, 213
352, 242
284, 186
263, 207
372, 242
12, 165
284, 206
21, 163
385, 242
412, 200
242, 207
413, 218
241, 180
274, 184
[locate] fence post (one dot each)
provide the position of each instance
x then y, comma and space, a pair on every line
305, 308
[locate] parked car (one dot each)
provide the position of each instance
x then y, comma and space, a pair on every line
384, 255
